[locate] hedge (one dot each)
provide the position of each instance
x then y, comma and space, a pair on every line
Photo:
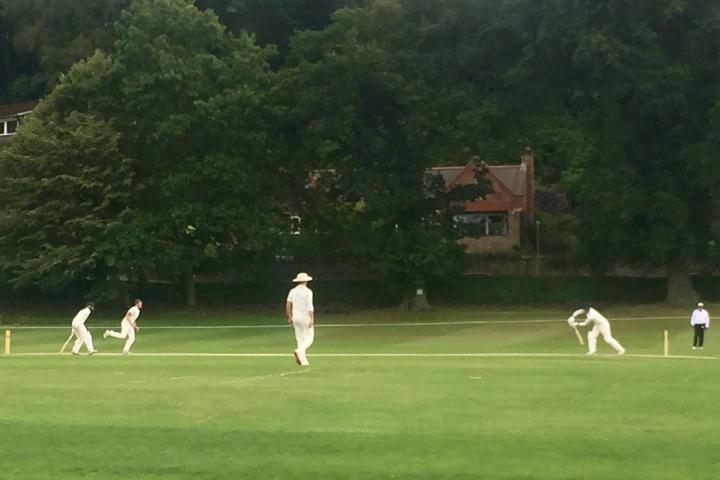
329, 294
520, 290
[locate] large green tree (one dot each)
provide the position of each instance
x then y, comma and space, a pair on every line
187, 101
66, 194
648, 78
620, 100
353, 109
41, 39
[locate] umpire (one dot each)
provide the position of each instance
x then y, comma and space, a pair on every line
700, 320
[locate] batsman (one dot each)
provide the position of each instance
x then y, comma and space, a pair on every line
601, 326
80, 331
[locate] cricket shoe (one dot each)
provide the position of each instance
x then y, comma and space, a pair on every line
93, 352
75, 353
303, 360
297, 357
621, 352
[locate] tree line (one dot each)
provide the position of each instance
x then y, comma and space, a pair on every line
174, 138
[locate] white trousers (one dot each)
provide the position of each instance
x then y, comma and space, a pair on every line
82, 336
127, 331
304, 336
607, 336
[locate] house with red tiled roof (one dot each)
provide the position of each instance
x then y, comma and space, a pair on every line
11, 116
498, 219
502, 214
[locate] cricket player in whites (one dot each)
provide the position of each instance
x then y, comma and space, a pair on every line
301, 316
601, 326
128, 326
82, 335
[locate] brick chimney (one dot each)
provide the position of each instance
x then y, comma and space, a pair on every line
527, 160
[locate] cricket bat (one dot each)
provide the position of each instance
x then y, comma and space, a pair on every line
67, 341
577, 334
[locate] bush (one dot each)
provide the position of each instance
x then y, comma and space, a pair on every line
327, 294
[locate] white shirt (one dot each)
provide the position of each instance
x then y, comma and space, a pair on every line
301, 298
700, 317
80, 317
132, 314
591, 315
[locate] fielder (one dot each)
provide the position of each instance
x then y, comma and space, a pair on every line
128, 326
81, 333
601, 325
301, 316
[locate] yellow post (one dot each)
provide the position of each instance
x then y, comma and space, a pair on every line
666, 345
7, 341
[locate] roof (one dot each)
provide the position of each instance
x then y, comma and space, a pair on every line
509, 186
449, 174
513, 177
10, 109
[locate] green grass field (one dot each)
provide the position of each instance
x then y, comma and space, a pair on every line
382, 399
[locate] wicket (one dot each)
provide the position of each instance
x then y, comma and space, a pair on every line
7, 342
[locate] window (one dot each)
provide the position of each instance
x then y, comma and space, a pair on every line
482, 224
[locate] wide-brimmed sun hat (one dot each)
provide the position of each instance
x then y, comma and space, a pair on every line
302, 277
